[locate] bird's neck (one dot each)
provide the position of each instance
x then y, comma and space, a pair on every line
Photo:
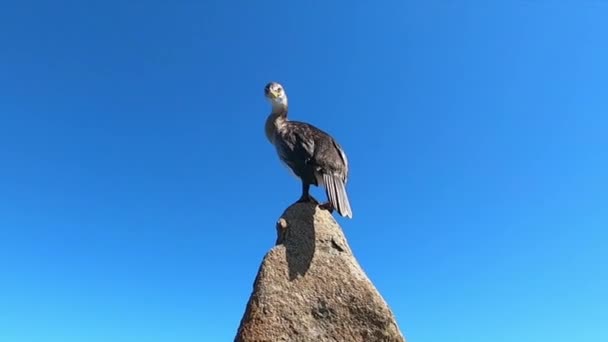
280, 105
276, 121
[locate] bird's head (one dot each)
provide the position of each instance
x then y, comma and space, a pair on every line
275, 93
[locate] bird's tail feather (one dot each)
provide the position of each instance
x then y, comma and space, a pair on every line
336, 194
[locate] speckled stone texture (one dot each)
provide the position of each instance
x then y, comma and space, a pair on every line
310, 287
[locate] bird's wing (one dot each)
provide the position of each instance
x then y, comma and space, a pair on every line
342, 155
296, 147
331, 168
327, 153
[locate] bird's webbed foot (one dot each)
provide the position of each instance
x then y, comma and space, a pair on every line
307, 198
327, 206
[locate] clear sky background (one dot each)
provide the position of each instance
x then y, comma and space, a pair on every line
139, 195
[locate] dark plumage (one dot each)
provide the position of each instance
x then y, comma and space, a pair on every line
310, 153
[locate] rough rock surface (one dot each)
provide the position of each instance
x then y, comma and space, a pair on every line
310, 287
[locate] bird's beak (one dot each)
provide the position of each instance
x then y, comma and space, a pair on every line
272, 94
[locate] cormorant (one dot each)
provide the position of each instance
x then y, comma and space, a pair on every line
311, 154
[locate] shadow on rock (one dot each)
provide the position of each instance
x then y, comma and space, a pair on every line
296, 231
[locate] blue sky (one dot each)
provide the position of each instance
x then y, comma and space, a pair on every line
140, 194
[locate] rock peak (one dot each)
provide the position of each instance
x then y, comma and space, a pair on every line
310, 287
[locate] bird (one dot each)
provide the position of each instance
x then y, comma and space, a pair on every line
311, 154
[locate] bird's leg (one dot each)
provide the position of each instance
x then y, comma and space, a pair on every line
305, 194
327, 206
